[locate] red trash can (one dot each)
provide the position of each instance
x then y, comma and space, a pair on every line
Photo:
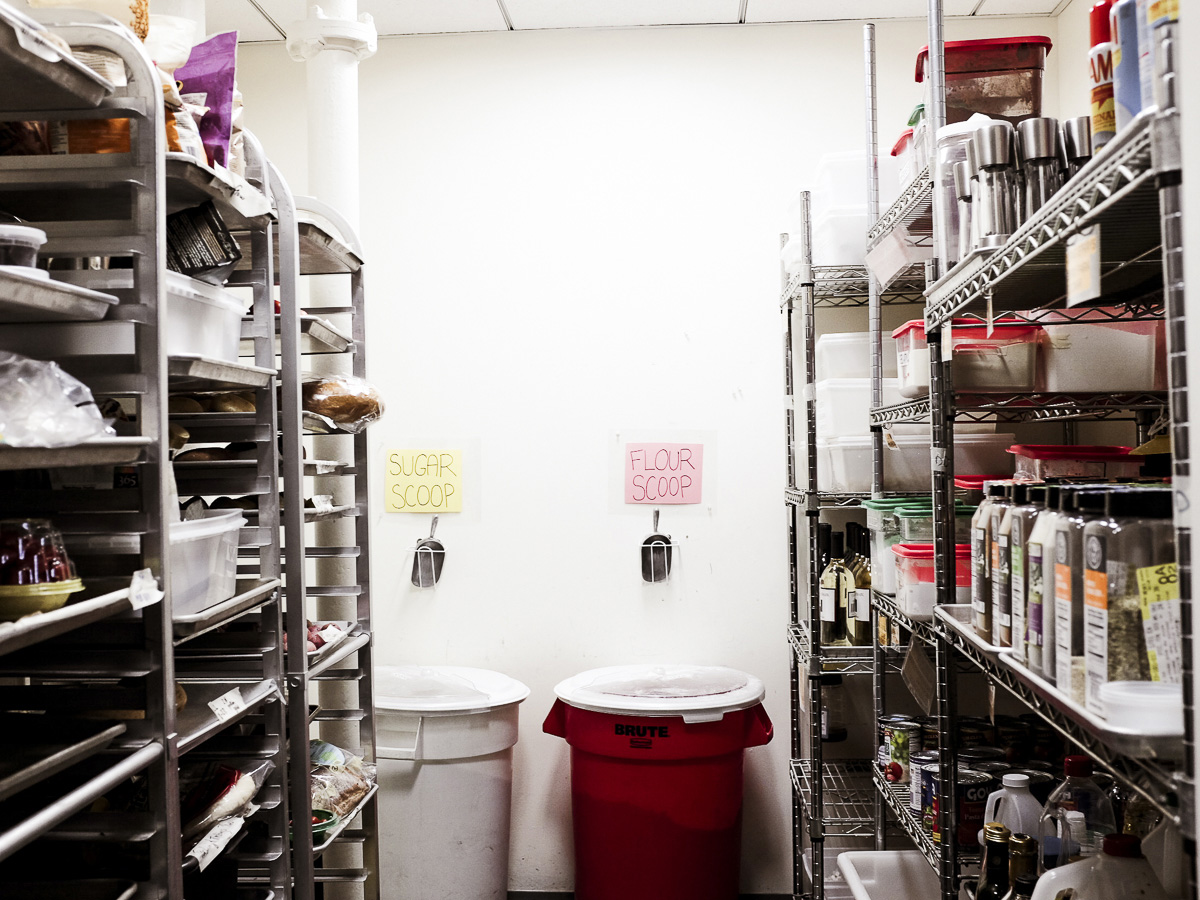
656, 778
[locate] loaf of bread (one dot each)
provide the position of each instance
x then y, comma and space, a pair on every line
204, 454
349, 403
232, 403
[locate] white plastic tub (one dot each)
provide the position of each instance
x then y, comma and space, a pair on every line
916, 590
204, 561
839, 236
844, 407
848, 355
907, 466
19, 245
1004, 361
888, 875
202, 320
1099, 357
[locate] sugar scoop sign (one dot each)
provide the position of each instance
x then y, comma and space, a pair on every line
661, 474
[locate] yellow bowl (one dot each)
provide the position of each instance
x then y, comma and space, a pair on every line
17, 601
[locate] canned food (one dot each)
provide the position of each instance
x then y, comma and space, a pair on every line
1013, 737
995, 769
886, 723
930, 775
973, 732
971, 793
974, 755
904, 741
916, 769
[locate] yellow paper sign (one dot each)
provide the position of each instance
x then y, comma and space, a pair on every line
423, 481
1158, 590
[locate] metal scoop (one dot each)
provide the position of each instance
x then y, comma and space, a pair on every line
427, 559
656, 555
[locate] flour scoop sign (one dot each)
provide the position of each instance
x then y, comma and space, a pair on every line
662, 474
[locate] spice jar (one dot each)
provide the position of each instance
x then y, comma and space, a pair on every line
1039, 606
1028, 503
1077, 506
1125, 554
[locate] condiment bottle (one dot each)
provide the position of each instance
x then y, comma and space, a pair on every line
1100, 68
1127, 87
1039, 555
1039, 141
1077, 794
1134, 541
993, 876
835, 582
1028, 503
1077, 507
1002, 568
981, 562
1023, 888
1022, 857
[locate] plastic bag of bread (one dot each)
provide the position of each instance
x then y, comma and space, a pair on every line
340, 402
213, 791
338, 780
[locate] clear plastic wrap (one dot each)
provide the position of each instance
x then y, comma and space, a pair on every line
341, 402
338, 780
43, 406
215, 791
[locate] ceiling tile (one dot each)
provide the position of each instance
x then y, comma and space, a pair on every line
619, 13
423, 17
239, 16
1019, 7
825, 11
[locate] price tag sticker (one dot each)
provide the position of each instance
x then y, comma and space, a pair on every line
1158, 595
331, 634
143, 589
1083, 266
227, 705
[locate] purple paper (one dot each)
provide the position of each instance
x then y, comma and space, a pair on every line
207, 78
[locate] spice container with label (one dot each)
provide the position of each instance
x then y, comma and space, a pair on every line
1077, 506
1039, 586
1130, 546
1028, 503
1001, 568
981, 561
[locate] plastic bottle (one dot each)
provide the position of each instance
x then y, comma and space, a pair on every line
1076, 508
1039, 556
981, 562
1002, 568
1120, 872
1077, 794
1100, 68
1028, 503
1127, 88
1013, 805
1145, 49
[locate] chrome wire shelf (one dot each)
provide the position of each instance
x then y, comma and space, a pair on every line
836, 287
913, 210
886, 606
1025, 407
843, 660
828, 499
898, 797
847, 798
1116, 190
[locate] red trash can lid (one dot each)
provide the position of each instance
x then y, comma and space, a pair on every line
696, 693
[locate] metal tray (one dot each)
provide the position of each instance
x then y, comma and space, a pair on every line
957, 617
337, 512
251, 592
89, 889
1136, 744
324, 466
191, 183
317, 335
343, 822
43, 746
42, 626
200, 373
348, 629
60, 82
29, 298
197, 722
113, 451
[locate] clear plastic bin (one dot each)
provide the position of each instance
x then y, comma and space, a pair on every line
844, 407
906, 467
840, 236
1003, 362
1101, 357
840, 183
950, 146
916, 524
916, 590
1037, 462
885, 531
905, 153
848, 355
998, 77
202, 320
204, 560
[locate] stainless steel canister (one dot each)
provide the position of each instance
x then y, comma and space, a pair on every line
1038, 140
1077, 143
994, 194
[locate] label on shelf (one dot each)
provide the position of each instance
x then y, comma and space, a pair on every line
143, 589
862, 608
1083, 266
1158, 590
227, 705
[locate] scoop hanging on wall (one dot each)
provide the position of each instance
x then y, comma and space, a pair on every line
427, 559
656, 555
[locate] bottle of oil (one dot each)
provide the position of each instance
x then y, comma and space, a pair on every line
836, 582
993, 880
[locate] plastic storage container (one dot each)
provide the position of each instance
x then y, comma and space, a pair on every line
907, 466
848, 355
656, 777
1102, 357
888, 875
916, 524
445, 739
885, 531
19, 245
905, 154
204, 560
916, 590
998, 77
202, 320
951, 145
1037, 462
844, 407
1003, 362
840, 237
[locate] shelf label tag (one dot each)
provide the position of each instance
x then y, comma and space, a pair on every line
920, 676
1083, 266
227, 705
143, 589
423, 481
1158, 591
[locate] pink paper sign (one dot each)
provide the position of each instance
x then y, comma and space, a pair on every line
661, 474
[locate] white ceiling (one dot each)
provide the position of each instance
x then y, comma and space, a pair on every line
262, 20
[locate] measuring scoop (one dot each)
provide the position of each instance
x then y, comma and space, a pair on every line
427, 559
656, 555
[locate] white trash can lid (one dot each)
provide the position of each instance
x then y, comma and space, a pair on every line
697, 693
444, 689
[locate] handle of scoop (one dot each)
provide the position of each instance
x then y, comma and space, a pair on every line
433, 528
655, 528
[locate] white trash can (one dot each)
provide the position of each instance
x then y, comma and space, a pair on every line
444, 746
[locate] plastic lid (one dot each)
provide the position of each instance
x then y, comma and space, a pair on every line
22, 234
1015, 780
1077, 767
1098, 22
998, 490
975, 46
918, 114
976, 482
1082, 452
697, 693
906, 137
444, 689
925, 551
1141, 503
1126, 846
926, 512
1001, 328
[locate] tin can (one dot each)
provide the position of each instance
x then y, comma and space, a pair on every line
904, 741
971, 793
886, 723
974, 755
917, 763
974, 732
930, 775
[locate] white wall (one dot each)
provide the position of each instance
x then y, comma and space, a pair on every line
573, 236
